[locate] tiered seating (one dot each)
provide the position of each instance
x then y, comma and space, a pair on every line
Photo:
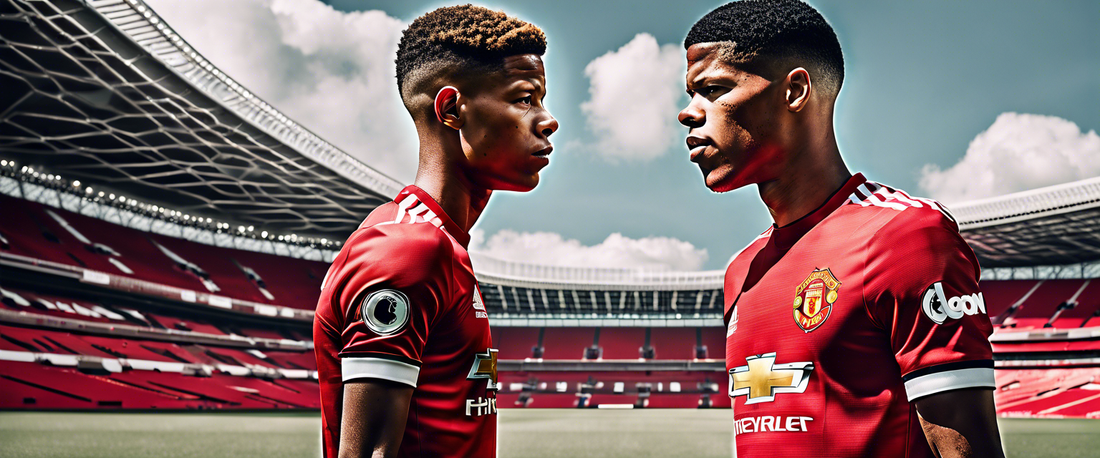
32, 231
292, 360
563, 389
621, 343
231, 280
515, 343
51, 241
38, 386
1088, 304
1056, 346
291, 281
1038, 309
567, 343
55, 368
1000, 295
1049, 392
715, 341
53, 305
674, 343
616, 342
540, 401
77, 390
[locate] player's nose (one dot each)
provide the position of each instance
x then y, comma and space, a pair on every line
691, 116
547, 126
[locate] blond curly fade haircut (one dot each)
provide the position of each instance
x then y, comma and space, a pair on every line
462, 41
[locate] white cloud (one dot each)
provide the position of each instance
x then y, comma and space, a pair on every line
1018, 152
332, 72
635, 94
616, 251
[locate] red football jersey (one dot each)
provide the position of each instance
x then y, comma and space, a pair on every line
838, 321
401, 303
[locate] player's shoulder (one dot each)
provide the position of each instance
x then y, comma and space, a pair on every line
904, 226
405, 255
401, 242
894, 210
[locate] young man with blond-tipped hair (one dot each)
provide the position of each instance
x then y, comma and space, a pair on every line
405, 359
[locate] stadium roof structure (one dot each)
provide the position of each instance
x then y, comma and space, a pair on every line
106, 92
1056, 225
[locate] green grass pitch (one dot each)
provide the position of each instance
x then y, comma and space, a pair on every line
531, 433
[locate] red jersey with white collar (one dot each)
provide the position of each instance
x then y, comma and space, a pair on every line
838, 321
400, 303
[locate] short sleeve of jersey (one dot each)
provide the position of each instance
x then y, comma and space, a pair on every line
390, 290
921, 286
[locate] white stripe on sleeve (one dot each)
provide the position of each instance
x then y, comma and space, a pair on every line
939, 382
385, 369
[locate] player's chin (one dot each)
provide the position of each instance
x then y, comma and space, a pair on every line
518, 183
720, 180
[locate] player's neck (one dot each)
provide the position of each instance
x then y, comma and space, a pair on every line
797, 193
444, 181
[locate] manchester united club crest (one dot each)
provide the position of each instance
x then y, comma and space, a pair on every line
814, 299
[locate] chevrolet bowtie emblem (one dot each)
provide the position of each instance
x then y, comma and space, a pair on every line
761, 379
485, 367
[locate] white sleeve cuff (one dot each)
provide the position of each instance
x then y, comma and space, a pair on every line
380, 368
938, 382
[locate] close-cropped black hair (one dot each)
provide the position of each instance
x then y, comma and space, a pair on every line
458, 38
773, 29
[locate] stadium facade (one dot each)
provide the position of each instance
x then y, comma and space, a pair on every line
167, 232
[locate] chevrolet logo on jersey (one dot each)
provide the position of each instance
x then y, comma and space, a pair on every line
485, 367
761, 379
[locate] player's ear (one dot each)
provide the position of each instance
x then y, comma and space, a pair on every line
797, 95
446, 107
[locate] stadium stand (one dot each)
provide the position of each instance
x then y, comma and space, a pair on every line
79, 354
156, 258
1038, 308
1060, 392
675, 389
113, 301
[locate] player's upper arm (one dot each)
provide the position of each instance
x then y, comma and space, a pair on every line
921, 287
393, 287
373, 417
952, 431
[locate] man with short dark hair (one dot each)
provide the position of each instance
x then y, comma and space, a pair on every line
855, 326
405, 359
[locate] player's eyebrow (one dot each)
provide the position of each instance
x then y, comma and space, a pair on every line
709, 78
701, 80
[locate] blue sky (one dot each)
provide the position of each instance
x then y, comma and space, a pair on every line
923, 80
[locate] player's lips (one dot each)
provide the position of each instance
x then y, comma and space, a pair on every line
697, 145
544, 152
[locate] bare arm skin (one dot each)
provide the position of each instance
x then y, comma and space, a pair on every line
373, 418
961, 423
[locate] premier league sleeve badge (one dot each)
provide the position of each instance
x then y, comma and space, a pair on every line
385, 311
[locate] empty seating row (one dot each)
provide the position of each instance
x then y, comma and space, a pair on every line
21, 339
1065, 392
37, 386
591, 389
609, 343
1037, 304
521, 300
20, 300
42, 232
